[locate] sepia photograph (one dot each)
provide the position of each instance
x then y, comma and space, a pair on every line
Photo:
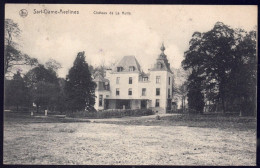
89, 84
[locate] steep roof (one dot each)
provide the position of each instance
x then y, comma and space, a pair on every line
142, 74
162, 63
99, 78
126, 62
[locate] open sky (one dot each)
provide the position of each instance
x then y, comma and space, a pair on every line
107, 38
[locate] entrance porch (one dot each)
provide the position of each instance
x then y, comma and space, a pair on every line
126, 103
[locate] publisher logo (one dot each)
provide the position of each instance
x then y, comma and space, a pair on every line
23, 13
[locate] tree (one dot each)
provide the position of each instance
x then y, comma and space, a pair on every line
53, 65
195, 95
12, 55
221, 58
181, 92
211, 53
16, 93
180, 86
99, 71
243, 78
44, 87
61, 100
40, 73
45, 95
79, 87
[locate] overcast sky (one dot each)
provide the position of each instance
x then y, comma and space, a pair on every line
107, 38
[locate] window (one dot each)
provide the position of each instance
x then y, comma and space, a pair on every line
169, 93
117, 91
143, 91
117, 80
158, 79
157, 103
145, 79
157, 91
100, 100
131, 68
169, 80
159, 65
119, 69
130, 80
130, 91
106, 86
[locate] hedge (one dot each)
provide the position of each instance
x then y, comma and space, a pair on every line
115, 113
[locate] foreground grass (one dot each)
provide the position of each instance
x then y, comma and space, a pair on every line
186, 141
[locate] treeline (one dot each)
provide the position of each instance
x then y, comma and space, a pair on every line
41, 88
222, 68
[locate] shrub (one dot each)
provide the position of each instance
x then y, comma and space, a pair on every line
193, 111
80, 114
113, 113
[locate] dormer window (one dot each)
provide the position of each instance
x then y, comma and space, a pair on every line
159, 65
131, 68
119, 69
145, 79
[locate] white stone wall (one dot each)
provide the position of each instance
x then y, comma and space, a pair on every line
105, 95
161, 85
124, 85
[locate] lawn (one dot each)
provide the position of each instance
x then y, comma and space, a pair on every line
173, 140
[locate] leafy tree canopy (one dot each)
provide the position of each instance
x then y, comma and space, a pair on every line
225, 60
44, 86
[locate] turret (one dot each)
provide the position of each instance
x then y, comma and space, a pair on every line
162, 63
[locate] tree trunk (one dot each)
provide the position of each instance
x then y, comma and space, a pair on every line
37, 108
222, 94
240, 107
182, 105
17, 108
223, 105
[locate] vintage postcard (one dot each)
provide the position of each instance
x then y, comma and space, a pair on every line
130, 84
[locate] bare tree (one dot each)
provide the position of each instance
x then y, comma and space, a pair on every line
12, 55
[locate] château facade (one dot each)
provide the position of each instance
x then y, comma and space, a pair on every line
126, 86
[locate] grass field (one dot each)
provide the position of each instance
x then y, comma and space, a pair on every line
173, 140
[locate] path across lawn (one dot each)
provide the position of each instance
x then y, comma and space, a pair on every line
148, 117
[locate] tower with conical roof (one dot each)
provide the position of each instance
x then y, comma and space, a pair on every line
162, 63
161, 78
